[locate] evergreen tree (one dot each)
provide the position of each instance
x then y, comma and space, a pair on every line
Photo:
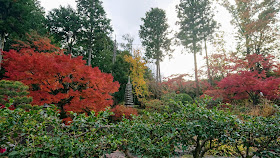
153, 34
18, 18
64, 24
192, 16
94, 35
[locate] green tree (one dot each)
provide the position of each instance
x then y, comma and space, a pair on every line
96, 28
64, 24
18, 18
103, 53
154, 37
14, 90
192, 16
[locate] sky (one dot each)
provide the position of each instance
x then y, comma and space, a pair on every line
126, 17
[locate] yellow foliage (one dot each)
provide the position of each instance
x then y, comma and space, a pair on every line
138, 67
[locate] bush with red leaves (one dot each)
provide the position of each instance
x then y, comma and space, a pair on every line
121, 110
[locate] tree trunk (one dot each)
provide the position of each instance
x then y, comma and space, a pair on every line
195, 70
89, 57
2, 41
115, 51
159, 75
90, 42
247, 45
157, 69
207, 64
197, 150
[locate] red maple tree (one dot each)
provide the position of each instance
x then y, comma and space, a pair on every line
55, 78
246, 78
249, 84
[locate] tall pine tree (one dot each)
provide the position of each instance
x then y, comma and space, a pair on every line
192, 16
154, 37
95, 32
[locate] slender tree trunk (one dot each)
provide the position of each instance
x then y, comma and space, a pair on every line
195, 70
115, 51
2, 41
207, 64
90, 47
159, 75
69, 49
89, 57
91, 38
247, 45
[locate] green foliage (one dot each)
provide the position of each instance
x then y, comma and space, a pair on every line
258, 135
20, 17
120, 72
169, 99
198, 130
40, 133
193, 28
166, 103
155, 105
14, 90
200, 126
94, 34
183, 97
84, 32
209, 101
193, 128
64, 24
149, 136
